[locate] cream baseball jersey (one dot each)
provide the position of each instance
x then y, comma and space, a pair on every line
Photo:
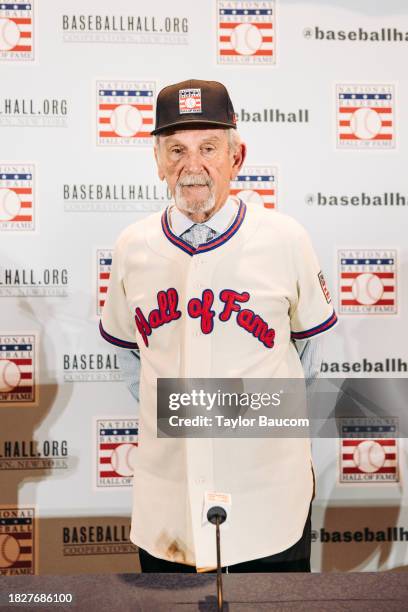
227, 309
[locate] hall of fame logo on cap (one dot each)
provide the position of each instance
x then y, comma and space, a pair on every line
18, 369
17, 197
117, 441
16, 31
365, 116
124, 112
368, 282
246, 32
103, 270
256, 185
189, 101
368, 450
18, 536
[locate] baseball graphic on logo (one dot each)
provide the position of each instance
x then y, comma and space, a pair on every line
126, 120
9, 550
369, 456
10, 375
246, 39
191, 102
122, 459
365, 123
367, 288
9, 34
251, 197
10, 204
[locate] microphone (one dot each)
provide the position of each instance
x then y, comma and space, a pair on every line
217, 515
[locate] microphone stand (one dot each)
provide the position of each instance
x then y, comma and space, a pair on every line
217, 515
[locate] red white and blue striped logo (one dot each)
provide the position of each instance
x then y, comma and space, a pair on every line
369, 450
17, 197
246, 32
117, 441
18, 369
365, 116
190, 101
368, 281
124, 113
256, 186
16, 31
19, 540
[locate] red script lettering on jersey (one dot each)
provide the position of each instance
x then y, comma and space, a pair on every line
246, 318
167, 311
201, 309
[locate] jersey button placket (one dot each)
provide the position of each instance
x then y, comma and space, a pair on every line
200, 472
199, 344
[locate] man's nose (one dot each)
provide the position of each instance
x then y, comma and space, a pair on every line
193, 163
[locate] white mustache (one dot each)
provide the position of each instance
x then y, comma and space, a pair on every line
194, 179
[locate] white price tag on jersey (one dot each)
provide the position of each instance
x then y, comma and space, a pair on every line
215, 498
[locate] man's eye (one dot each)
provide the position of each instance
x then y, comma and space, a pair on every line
176, 150
208, 149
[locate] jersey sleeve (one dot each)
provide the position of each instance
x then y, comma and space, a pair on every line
129, 363
312, 312
117, 324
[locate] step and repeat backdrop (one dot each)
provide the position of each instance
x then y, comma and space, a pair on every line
321, 94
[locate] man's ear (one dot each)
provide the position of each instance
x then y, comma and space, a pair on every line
238, 159
159, 168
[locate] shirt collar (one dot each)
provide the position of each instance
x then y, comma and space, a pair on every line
219, 222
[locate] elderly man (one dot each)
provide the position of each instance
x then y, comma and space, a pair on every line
255, 277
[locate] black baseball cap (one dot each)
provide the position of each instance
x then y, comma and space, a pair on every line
194, 102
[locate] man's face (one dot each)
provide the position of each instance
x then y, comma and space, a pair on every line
198, 167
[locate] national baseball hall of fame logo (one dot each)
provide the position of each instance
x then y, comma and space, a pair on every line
17, 541
365, 116
368, 281
16, 31
103, 270
256, 186
124, 112
246, 32
16, 197
117, 441
368, 450
18, 371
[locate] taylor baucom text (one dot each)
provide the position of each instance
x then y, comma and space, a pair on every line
218, 400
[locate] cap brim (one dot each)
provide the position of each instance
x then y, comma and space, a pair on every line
192, 122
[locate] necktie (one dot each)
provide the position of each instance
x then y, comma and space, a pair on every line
197, 234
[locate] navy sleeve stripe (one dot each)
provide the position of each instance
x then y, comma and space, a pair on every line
116, 341
332, 320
